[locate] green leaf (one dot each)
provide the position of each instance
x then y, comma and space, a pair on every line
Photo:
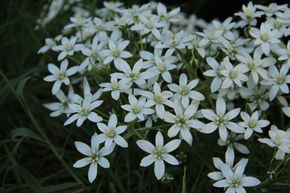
25, 132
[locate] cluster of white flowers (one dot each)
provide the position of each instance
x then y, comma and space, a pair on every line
158, 68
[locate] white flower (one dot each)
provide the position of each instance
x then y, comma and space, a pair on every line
84, 110
160, 64
67, 47
232, 143
248, 15
94, 156
258, 96
256, 64
50, 44
221, 120
111, 133
218, 164
252, 123
115, 87
214, 72
116, 53
99, 26
234, 75
277, 81
60, 75
167, 16
61, 107
184, 90
235, 180
77, 21
272, 9
285, 54
158, 154
265, 37
172, 40
147, 24
158, 99
182, 121
137, 109
92, 53
113, 6
128, 77
279, 139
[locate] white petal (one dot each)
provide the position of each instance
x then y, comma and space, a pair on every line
82, 162
121, 141
215, 175
250, 181
209, 128
146, 161
170, 159
221, 184
145, 146
172, 145
93, 172
83, 148
159, 169
104, 162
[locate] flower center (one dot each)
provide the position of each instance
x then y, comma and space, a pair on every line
159, 152
183, 90
149, 25
161, 67
221, 120
115, 52
265, 37
94, 156
111, 133
158, 98
280, 80
252, 123
84, 111
278, 139
79, 19
132, 75
174, 42
136, 109
68, 46
115, 85
60, 76
235, 182
234, 74
182, 121
249, 12
277, 24
65, 104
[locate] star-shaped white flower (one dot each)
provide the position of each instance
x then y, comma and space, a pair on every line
111, 133
221, 120
158, 99
182, 121
235, 180
60, 75
233, 74
279, 139
137, 109
84, 109
158, 154
94, 157
184, 90
252, 123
